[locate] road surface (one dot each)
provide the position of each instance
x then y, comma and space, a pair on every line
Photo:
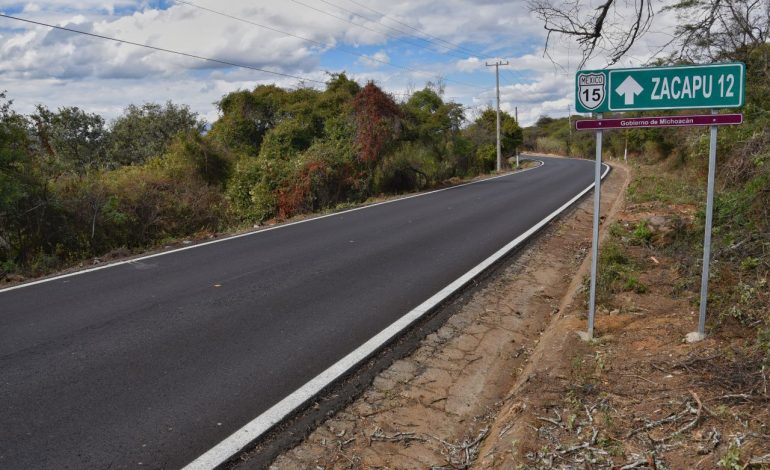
150, 363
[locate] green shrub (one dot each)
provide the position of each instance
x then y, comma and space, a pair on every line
190, 153
251, 191
486, 159
148, 204
642, 233
410, 167
616, 273
550, 145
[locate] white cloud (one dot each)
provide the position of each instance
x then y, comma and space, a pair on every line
57, 68
31, 8
471, 64
378, 59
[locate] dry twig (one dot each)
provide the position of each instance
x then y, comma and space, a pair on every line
549, 420
635, 464
405, 437
764, 460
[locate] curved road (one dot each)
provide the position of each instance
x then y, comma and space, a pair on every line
157, 360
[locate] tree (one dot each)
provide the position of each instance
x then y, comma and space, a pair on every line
431, 120
13, 148
511, 135
339, 83
247, 116
146, 131
76, 139
377, 123
30, 222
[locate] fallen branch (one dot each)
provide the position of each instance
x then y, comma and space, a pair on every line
669, 419
467, 450
634, 464
344, 443
549, 420
347, 458
572, 449
736, 396
479, 438
692, 423
505, 429
764, 460
405, 437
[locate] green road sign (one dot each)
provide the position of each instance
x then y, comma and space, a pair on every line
680, 87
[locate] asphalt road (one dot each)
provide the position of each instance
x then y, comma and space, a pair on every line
156, 361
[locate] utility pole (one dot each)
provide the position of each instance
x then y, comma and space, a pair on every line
497, 65
516, 111
569, 120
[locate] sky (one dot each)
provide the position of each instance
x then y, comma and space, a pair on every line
400, 45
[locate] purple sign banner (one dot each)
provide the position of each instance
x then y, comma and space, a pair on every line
660, 121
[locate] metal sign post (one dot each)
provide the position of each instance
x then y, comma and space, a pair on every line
681, 87
595, 240
704, 281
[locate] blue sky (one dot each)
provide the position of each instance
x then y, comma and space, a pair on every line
56, 69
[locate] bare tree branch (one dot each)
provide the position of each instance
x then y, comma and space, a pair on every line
707, 29
591, 27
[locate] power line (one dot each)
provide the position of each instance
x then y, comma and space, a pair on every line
458, 46
180, 53
400, 31
436, 38
161, 49
332, 15
312, 41
448, 47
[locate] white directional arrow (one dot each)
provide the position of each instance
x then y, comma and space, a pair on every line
629, 89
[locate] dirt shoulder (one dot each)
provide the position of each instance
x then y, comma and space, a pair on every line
639, 396
437, 406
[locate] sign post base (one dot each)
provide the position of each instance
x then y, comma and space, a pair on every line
694, 337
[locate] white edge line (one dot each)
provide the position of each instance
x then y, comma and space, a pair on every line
234, 443
255, 232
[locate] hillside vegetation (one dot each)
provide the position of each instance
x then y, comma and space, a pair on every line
74, 187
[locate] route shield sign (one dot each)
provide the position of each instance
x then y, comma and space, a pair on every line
679, 87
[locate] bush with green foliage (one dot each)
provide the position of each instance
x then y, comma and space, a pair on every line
74, 187
146, 131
